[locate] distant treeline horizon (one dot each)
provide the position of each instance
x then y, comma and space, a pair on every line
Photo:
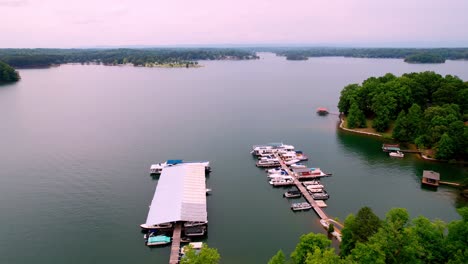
44, 57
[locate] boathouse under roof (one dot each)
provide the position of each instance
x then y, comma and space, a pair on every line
180, 195
430, 178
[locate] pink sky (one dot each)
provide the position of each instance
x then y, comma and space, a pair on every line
85, 23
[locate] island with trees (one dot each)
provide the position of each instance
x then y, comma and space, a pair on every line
411, 55
8, 74
425, 57
425, 109
396, 239
148, 57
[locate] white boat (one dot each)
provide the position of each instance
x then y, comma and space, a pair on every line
157, 226
270, 148
281, 182
268, 163
298, 166
316, 186
191, 224
291, 162
208, 191
158, 168
307, 183
315, 190
279, 176
277, 171
397, 154
300, 206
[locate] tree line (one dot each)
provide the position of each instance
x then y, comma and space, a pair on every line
425, 108
8, 74
23, 58
414, 55
396, 239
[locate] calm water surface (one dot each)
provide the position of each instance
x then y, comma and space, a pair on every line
77, 142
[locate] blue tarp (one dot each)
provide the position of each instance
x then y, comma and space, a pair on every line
174, 162
159, 239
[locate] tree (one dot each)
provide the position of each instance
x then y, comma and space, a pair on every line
279, 258
356, 117
457, 238
445, 147
205, 256
308, 244
8, 73
430, 235
347, 95
359, 229
401, 131
325, 256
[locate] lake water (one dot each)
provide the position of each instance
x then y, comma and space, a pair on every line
77, 142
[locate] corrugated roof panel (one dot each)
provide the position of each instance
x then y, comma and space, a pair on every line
180, 195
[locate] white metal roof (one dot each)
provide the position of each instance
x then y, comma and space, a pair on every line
180, 195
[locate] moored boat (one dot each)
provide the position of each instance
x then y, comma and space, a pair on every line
195, 231
321, 195
158, 240
300, 206
292, 194
158, 168
157, 226
192, 224
397, 154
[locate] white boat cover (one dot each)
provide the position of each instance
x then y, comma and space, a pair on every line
180, 195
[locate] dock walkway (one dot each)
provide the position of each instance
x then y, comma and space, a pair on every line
175, 247
309, 198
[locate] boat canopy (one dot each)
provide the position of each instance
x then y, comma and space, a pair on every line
174, 162
157, 239
180, 195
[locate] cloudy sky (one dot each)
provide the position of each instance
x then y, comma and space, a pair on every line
88, 23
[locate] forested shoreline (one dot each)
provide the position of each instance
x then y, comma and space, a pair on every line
395, 239
421, 108
411, 55
151, 57
8, 74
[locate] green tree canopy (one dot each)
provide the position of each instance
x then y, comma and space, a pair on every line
205, 256
8, 74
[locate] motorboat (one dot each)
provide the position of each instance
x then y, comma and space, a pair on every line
292, 194
307, 183
297, 166
270, 148
158, 168
300, 206
281, 177
281, 182
293, 161
195, 231
315, 186
277, 171
195, 223
321, 195
157, 226
268, 163
397, 154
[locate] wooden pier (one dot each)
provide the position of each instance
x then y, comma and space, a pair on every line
175, 247
308, 197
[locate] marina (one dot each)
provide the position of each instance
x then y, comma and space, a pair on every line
313, 192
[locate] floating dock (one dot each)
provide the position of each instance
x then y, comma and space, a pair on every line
316, 205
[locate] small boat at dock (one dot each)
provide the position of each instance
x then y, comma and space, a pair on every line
320, 196
268, 163
158, 168
297, 166
307, 183
396, 154
291, 162
300, 206
157, 226
192, 224
195, 231
292, 194
277, 183
158, 240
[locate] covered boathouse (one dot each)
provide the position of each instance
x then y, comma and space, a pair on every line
430, 178
180, 196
